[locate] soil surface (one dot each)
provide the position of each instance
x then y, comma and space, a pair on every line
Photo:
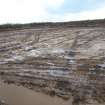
64, 62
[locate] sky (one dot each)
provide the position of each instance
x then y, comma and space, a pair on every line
27, 11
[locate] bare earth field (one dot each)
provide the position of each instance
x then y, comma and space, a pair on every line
65, 62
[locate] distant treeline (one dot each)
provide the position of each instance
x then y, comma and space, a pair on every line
86, 23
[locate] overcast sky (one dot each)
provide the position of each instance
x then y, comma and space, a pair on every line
26, 11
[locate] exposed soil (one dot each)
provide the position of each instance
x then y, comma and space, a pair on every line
65, 62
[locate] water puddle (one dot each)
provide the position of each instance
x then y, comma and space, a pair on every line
59, 73
18, 95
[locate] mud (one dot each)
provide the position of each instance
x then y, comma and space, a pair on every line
65, 63
18, 95
84, 83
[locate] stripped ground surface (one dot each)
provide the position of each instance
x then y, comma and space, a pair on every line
57, 61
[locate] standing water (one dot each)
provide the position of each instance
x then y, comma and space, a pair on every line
18, 95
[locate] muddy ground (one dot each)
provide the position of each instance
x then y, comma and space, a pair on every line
59, 62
